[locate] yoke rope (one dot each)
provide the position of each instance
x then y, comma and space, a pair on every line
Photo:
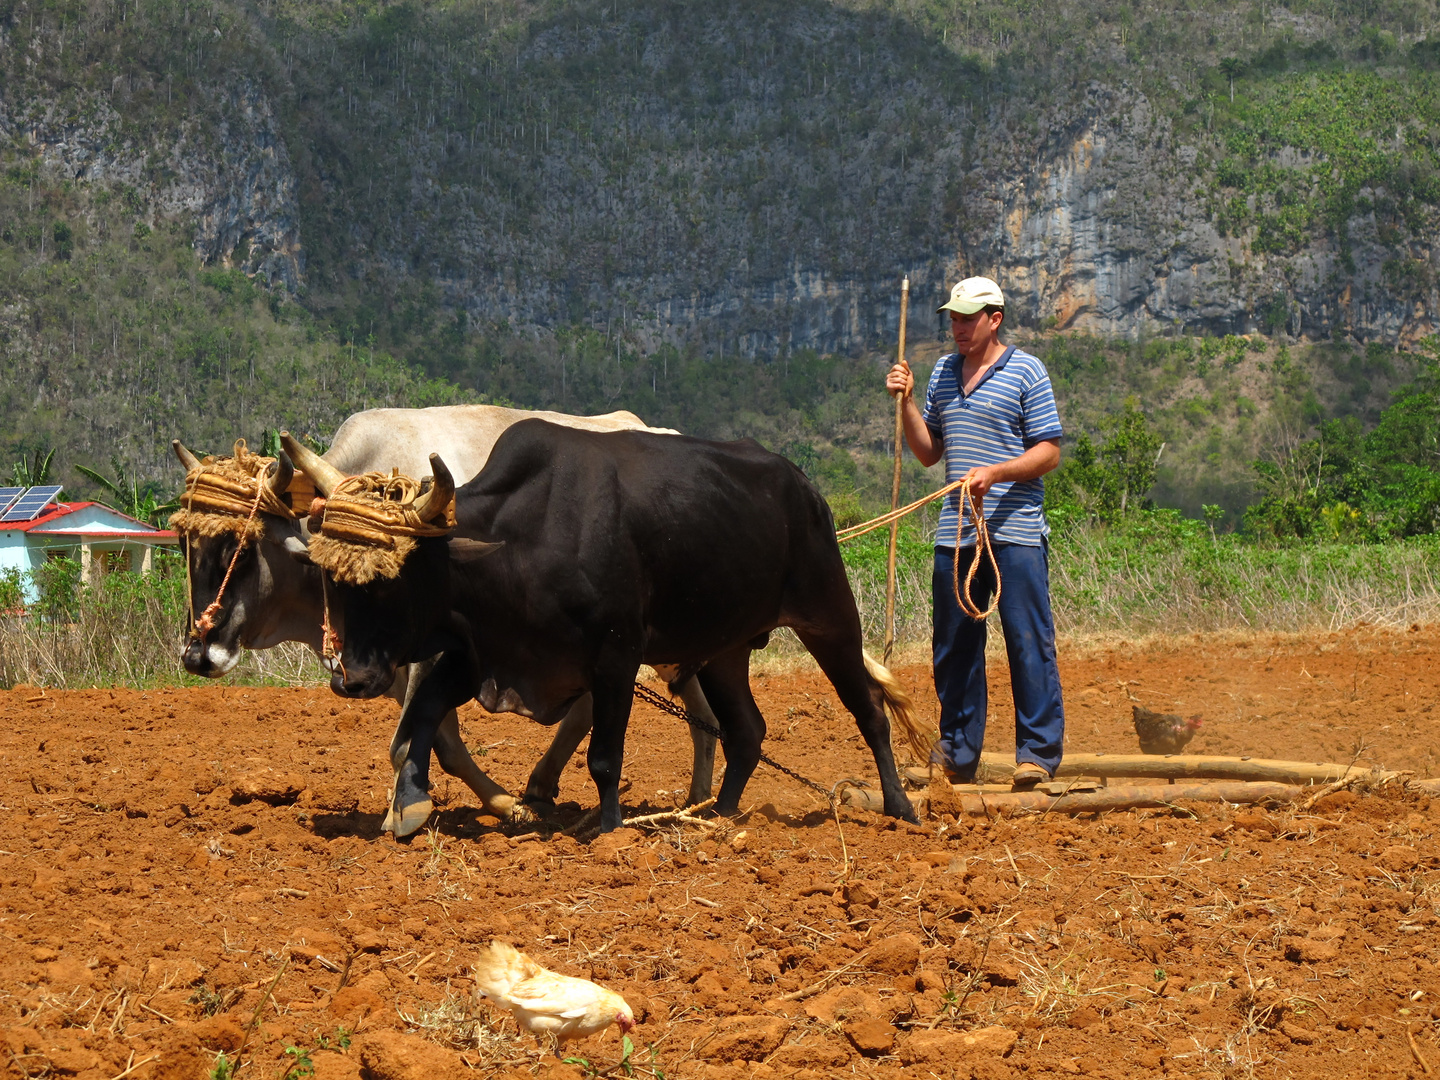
376, 508
206, 622
370, 525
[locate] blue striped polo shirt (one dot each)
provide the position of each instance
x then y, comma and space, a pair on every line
1011, 410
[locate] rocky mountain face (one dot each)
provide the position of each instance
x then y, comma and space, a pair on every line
1112, 232
758, 176
232, 178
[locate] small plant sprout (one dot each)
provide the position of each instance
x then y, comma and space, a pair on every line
300, 1066
340, 1042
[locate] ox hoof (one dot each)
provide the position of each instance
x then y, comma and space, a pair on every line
408, 819
506, 807
518, 814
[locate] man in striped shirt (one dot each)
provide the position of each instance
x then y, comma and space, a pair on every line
990, 411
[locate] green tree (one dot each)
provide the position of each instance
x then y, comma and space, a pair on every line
1112, 479
1346, 482
129, 496
33, 468
1230, 67
1131, 452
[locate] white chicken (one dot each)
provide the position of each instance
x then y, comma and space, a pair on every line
544, 1002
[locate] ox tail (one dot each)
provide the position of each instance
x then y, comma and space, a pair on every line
918, 736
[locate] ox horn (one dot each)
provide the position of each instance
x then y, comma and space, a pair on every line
189, 460
436, 501
325, 475
281, 473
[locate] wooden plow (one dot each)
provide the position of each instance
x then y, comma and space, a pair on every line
1083, 784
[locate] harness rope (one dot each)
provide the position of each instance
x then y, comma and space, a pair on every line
218, 500
189, 577
982, 543
206, 622
880, 522
330, 644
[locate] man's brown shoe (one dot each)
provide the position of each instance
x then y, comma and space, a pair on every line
1027, 775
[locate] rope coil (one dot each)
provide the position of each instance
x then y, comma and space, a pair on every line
983, 545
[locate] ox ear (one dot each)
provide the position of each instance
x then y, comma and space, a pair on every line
467, 551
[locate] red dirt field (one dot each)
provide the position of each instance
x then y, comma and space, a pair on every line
165, 855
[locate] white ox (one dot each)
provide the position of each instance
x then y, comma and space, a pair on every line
272, 598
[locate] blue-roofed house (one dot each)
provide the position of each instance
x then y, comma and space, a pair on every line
86, 531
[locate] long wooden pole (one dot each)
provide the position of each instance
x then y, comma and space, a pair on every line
1185, 767
1111, 798
895, 484
1172, 767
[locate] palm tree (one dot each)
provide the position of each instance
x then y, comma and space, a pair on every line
1230, 67
127, 496
33, 470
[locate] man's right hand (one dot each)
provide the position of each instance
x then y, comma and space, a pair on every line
900, 381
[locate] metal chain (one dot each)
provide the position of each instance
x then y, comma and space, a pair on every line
650, 697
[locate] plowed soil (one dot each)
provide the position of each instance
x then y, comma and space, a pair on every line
181, 867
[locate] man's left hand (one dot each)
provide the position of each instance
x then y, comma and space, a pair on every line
982, 478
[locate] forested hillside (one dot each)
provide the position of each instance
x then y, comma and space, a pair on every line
217, 218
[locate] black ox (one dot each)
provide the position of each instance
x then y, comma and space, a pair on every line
576, 557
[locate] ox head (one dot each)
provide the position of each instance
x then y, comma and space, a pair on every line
217, 529
385, 549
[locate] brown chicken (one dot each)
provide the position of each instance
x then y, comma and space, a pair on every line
544, 1002
1163, 733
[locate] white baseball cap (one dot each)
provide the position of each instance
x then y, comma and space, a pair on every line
972, 294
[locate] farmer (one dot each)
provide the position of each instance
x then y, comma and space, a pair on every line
990, 411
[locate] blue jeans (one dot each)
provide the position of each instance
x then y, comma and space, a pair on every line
959, 650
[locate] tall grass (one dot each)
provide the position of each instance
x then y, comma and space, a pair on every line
122, 629
1166, 574
1154, 573
1158, 572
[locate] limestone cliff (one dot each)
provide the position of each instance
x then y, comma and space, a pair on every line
756, 178
1110, 232
225, 171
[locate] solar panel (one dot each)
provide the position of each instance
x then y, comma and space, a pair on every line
8, 495
29, 506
